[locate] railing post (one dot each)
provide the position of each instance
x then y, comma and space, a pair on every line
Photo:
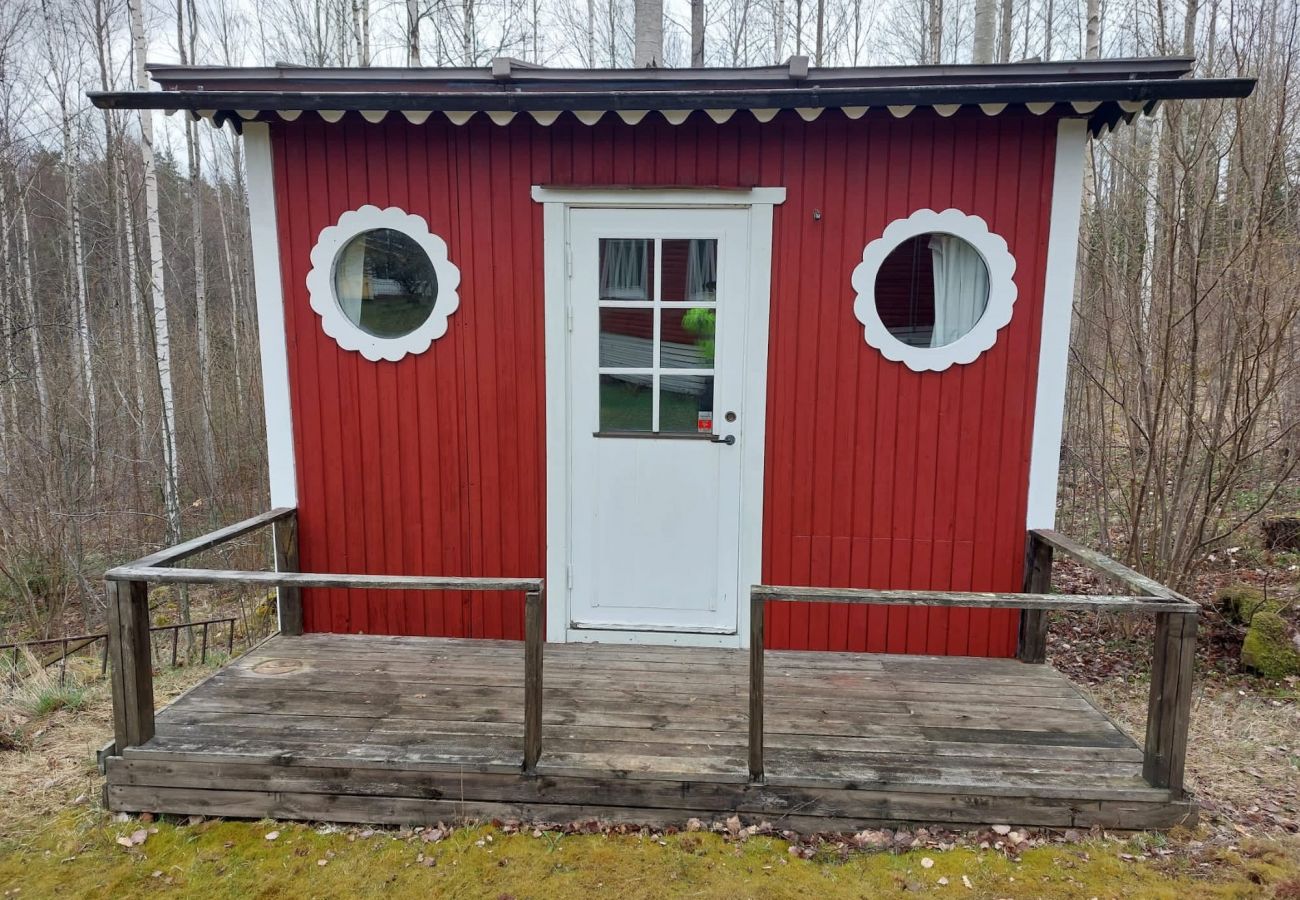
132, 676
1038, 580
288, 599
1169, 708
533, 617
757, 609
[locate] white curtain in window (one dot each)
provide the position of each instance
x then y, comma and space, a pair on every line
350, 278
961, 288
623, 270
702, 269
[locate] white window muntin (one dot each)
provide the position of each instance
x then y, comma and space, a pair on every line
324, 300
998, 260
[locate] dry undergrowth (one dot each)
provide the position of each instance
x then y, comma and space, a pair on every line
51, 764
1243, 753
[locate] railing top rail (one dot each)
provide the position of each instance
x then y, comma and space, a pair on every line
318, 580
1107, 566
1077, 602
212, 539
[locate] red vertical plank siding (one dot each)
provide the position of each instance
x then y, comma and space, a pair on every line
876, 476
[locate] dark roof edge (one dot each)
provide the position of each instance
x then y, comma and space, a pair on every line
513, 74
746, 98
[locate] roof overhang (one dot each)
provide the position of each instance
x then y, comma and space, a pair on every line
1104, 91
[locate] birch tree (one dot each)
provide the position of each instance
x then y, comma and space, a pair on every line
157, 291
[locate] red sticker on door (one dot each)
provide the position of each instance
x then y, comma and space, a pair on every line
704, 424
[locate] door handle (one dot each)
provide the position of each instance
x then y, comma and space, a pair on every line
723, 439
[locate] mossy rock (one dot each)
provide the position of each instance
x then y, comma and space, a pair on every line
1240, 602
1270, 649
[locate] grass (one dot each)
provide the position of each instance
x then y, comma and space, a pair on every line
79, 855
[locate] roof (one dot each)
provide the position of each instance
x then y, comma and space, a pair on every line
1106, 91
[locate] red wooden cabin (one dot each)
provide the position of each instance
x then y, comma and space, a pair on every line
657, 337
477, 443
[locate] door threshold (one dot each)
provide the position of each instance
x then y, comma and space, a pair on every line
669, 629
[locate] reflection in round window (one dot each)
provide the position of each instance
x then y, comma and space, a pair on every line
384, 283
931, 289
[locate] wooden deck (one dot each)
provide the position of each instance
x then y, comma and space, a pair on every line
416, 730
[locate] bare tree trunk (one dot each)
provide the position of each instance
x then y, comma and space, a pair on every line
236, 293
648, 27
985, 13
161, 334
778, 31
1049, 15
76, 267
821, 31
591, 33
412, 32
1092, 40
194, 159
537, 32
365, 32
33, 323
135, 312
78, 274
467, 32
935, 22
697, 33
8, 321
1004, 32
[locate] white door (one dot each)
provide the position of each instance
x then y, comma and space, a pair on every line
658, 305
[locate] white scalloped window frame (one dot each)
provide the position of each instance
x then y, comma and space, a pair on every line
324, 300
1002, 289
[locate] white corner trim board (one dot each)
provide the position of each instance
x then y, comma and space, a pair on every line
1058, 308
270, 316
998, 260
324, 300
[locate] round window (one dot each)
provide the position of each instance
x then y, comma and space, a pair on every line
381, 283
931, 289
934, 289
385, 283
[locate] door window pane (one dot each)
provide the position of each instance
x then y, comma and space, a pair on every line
686, 404
626, 269
627, 337
688, 339
690, 269
626, 402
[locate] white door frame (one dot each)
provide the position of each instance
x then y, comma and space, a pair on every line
556, 204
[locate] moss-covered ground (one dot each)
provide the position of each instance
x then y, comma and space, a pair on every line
78, 854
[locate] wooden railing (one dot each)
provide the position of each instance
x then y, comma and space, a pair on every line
128, 607
74, 643
1169, 702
